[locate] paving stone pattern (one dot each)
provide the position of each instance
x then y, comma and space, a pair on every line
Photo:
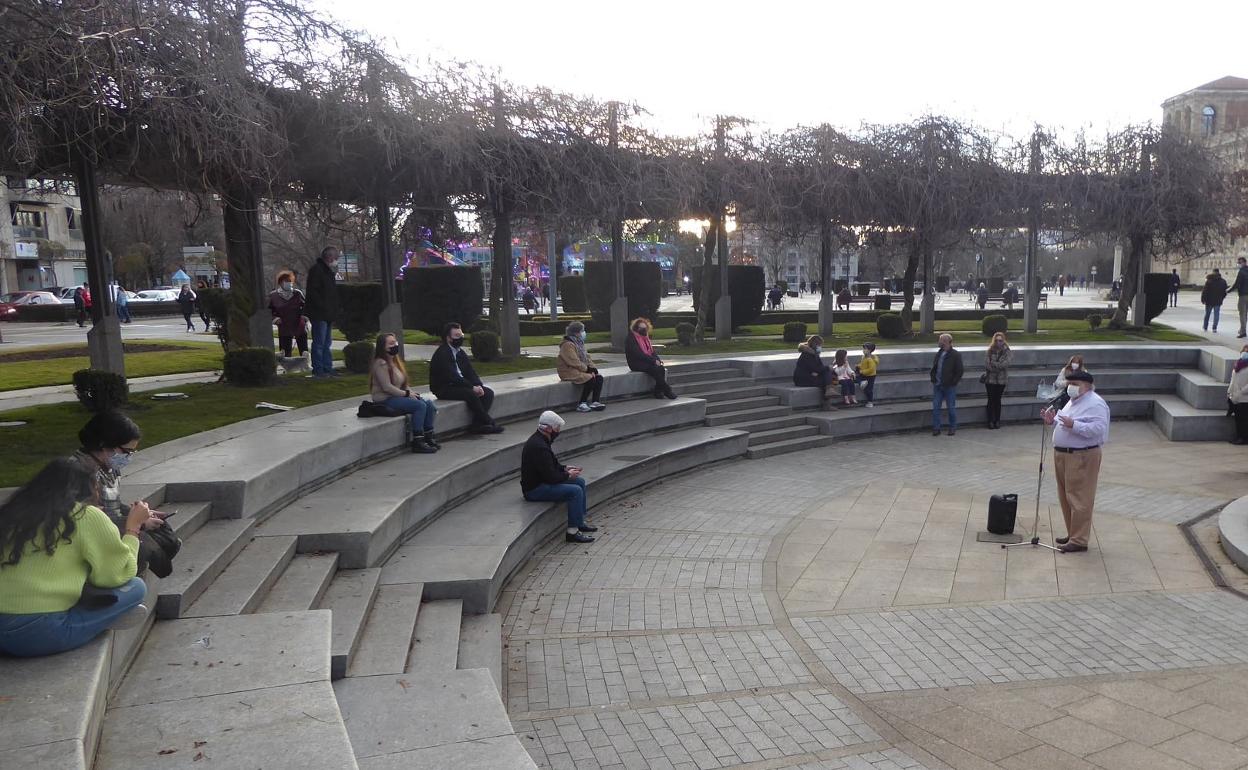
549, 614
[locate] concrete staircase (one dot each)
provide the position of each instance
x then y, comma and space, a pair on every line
738, 402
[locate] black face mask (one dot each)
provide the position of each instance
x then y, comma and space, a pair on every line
457, 343
394, 351
643, 331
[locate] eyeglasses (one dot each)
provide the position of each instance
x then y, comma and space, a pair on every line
127, 450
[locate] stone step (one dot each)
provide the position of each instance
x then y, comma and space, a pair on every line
782, 434
350, 596
701, 386
481, 645
435, 647
740, 404
447, 719
773, 423
302, 584
728, 419
243, 584
1201, 391
784, 447
229, 691
679, 375
187, 518
203, 556
744, 389
1180, 421
386, 639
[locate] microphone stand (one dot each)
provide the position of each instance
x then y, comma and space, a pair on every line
1035, 525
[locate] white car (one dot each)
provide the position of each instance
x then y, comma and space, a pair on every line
155, 295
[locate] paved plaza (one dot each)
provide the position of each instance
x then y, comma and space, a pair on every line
833, 609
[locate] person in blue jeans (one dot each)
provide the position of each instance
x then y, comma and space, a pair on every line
946, 374
66, 572
544, 479
321, 308
387, 380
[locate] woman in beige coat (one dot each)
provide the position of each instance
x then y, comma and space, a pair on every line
575, 366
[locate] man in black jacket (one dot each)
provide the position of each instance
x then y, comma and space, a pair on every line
452, 378
544, 479
946, 374
1240, 290
321, 308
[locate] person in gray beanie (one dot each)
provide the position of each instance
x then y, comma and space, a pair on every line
544, 479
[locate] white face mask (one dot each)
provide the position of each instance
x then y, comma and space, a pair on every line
818, 349
1072, 391
1074, 367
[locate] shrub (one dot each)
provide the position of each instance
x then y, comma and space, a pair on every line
1156, 295
993, 324
996, 284
643, 285
794, 332
746, 285
784, 286
1094, 321
100, 391
250, 367
216, 303
572, 292
890, 326
883, 302
942, 283
433, 296
358, 356
484, 345
359, 309
685, 333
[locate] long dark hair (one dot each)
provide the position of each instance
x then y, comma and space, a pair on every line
41, 510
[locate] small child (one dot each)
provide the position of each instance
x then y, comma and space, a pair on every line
867, 369
845, 376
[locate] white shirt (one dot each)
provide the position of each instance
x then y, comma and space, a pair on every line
1091, 422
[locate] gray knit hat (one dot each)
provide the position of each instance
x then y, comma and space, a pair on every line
550, 419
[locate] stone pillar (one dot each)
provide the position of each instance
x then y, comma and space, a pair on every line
390, 318
104, 339
723, 306
1137, 304
619, 306
827, 299
1117, 262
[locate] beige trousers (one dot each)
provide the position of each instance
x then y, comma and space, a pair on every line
1077, 473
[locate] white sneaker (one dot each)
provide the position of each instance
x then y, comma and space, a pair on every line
597, 406
132, 619
584, 407
870, 405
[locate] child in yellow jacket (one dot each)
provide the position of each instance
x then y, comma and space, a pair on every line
867, 368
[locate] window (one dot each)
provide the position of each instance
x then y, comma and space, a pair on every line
1207, 116
27, 218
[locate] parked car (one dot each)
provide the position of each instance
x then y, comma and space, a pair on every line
155, 295
9, 303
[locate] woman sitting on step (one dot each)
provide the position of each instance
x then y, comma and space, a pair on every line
639, 352
575, 366
810, 370
387, 381
66, 574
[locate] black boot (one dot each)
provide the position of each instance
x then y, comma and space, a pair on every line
428, 437
421, 447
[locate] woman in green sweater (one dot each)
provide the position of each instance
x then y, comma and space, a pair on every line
54, 542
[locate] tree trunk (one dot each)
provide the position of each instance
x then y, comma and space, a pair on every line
907, 286
704, 286
1130, 281
500, 270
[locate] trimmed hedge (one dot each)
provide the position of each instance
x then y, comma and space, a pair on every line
572, 293
65, 311
1095, 320
484, 345
994, 323
434, 296
359, 309
100, 391
357, 356
250, 367
883, 302
685, 332
643, 285
795, 331
747, 285
1156, 295
889, 326
548, 327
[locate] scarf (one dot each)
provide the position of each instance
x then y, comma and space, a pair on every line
579, 344
286, 293
644, 343
1240, 364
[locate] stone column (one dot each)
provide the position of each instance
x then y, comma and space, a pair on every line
104, 339
723, 306
390, 318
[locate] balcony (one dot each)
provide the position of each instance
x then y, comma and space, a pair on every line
23, 231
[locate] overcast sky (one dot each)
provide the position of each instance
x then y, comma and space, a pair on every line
1004, 65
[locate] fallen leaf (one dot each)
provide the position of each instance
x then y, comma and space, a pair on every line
200, 743
198, 756
163, 752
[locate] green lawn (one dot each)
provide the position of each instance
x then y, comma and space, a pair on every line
59, 370
52, 430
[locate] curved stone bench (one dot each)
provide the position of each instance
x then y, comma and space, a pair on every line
1233, 531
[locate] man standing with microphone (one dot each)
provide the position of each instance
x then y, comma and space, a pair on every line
1080, 429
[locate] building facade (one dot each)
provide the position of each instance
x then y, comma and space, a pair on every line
1215, 114
40, 237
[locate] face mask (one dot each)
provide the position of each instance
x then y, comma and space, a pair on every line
818, 349
393, 350
582, 336
1074, 367
286, 285
119, 461
1072, 391
1243, 356
457, 342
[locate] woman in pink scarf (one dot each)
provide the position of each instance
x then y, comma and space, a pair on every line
1237, 395
641, 357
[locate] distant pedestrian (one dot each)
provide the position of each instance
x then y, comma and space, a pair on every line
321, 308
1175, 283
801, 287
981, 295
1240, 288
1237, 396
1010, 297
1080, 429
545, 295
814, 287
1212, 296
1061, 285
530, 300
286, 303
121, 301
996, 373
868, 368
186, 303
544, 479
844, 377
82, 304
945, 375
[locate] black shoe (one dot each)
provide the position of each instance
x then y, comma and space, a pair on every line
486, 430
936, 432
1072, 548
1061, 540
587, 528
660, 394
952, 431
577, 538
670, 393
428, 437
421, 447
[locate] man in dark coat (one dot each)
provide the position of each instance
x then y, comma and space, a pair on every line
946, 374
452, 378
1211, 296
321, 308
544, 479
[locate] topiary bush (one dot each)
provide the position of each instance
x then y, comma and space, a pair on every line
359, 308
484, 345
250, 367
357, 356
1094, 321
993, 324
433, 296
216, 303
100, 391
996, 284
747, 286
643, 285
794, 332
572, 292
685, 333
1156, 295
883, 302
890, 326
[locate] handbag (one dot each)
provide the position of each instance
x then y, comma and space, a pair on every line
983, 378
157, 547
374, 409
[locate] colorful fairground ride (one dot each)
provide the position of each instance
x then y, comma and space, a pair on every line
574, 256
427, 254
